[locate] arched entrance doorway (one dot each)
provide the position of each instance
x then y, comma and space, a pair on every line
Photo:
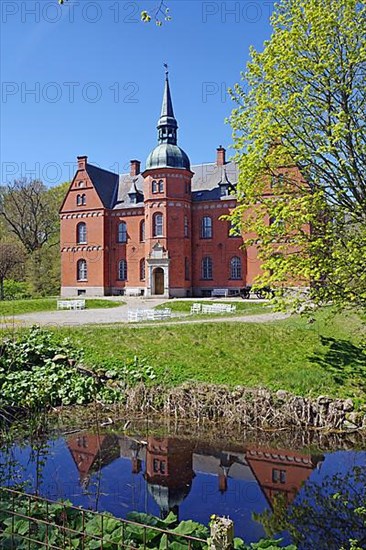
159, 281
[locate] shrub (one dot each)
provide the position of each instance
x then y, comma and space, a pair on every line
16, 290
37, 371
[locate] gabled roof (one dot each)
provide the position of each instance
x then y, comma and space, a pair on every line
105, 183
114, 190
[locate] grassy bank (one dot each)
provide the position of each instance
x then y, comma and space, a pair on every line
243, 308
17, 307
325, 357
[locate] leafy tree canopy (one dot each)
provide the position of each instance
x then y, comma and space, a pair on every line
301, 110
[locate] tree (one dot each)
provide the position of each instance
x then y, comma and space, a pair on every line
29, 212
329, 514
11, 255
303, 105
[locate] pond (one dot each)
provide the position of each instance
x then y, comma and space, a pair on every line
266, 488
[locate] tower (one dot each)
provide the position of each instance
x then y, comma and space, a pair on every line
168, 210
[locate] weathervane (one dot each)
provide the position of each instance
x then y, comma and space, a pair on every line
166, 68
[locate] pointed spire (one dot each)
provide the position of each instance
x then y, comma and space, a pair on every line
167, 124
167, 106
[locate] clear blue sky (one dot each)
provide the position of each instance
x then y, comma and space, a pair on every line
97, 78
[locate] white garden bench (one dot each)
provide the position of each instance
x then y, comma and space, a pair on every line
218, 308
195, 308
220, 292
136, 315
70, 304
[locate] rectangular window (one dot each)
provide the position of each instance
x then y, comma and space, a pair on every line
122, 232
206, 228
158, 225
207, 268
122, 270
278, 476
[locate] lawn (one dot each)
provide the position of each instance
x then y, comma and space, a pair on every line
17, 307
324, 357
246, 308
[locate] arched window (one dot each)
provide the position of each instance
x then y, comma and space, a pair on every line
82, 270
207, 268
142, 269
142, 231
158, 225
186, 269
78, 200
122, 232
83, 200
122, 270
161, 186
186, 227
81, 237
206, 228
235, 268
154, 186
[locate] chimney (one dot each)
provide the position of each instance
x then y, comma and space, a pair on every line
220, 160
222, 483
135, 167
82, 162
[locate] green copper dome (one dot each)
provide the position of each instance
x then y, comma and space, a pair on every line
167, 155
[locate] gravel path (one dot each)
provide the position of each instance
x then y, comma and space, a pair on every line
119, 315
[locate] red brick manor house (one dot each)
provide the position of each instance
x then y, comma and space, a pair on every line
156, 232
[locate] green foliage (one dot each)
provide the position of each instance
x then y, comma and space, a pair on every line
302, 107
160, 12
16, 290
30, 217
70, 529
326, 515
38, 371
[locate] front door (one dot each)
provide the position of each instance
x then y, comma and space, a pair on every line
159, 281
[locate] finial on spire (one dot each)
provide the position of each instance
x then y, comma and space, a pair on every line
166, 69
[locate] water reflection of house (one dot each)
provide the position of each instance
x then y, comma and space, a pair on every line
169, 472
170, 465
91, 452
280, 471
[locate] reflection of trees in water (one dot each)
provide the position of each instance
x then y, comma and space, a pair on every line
324, 516
316, 519
32, 433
